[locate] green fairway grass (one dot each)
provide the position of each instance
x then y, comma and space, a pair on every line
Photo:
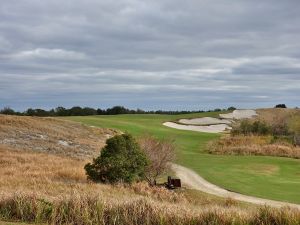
267, 177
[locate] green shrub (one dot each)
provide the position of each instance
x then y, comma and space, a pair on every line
246, 127
121, 160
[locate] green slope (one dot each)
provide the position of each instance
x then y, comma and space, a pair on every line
267, 177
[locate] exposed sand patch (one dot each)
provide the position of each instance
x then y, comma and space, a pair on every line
210, 124
52, 135
204, 121
239, 114
217, 128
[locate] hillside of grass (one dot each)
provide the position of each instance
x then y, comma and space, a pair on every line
267, 177
48, 187
40, 188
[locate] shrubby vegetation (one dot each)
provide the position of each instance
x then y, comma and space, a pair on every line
277, 133
247, 127
280, 106
125, 160
279, 129
121, 160
87, 111
160, 154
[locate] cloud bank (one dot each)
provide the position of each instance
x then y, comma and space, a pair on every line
149, 54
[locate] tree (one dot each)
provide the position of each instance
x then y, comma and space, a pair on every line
121, 160
231, 108
7, 111
160, 153
280, 106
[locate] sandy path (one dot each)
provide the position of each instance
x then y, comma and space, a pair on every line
194, 181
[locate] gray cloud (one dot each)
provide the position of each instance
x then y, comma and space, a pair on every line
149, 54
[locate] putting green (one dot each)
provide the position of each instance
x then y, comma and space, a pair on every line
267, 177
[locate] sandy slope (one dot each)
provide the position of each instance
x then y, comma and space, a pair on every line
194, 181
217, 128
210, 124
239, 114
204, 121
52, 135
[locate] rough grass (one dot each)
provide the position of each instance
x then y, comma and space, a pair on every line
92, 210
52, 136
43, 188
254, 145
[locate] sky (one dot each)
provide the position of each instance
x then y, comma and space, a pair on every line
158, 54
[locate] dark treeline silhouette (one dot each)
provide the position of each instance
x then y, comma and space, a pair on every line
87, 111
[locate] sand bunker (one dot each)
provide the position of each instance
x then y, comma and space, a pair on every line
204, 121
217, 128
239, 114
210, 124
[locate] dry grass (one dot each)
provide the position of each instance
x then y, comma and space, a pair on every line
254, 145
51, 176
263, 145
45, 188
38, 187
52, 136
274, 115
92, 210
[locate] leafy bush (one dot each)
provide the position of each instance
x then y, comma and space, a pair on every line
7, 111
246, 127
231, 108
280, 106
121, 160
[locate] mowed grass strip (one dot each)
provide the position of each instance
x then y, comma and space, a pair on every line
267, 177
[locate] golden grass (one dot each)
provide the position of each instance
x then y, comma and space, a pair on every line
253, 145
52, 136
46, 188
52, 176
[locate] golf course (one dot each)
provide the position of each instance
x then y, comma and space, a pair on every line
275, 178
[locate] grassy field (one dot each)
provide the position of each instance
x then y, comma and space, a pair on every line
268, 177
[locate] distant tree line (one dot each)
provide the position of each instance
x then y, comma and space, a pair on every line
87, 111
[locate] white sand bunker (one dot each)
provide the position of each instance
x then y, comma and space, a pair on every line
204, 121
217, 128
239, 114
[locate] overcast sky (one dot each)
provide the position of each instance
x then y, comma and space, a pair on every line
158, 54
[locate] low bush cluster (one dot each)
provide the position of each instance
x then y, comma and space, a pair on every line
280, 129
121, 160
247, 127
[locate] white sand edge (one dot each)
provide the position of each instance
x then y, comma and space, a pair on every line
218, 128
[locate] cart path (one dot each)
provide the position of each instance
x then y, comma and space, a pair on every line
194, 181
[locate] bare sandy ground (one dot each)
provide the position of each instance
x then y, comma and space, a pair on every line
239, 114
217, 128
52, 135
194, 181
210, 124
204, 121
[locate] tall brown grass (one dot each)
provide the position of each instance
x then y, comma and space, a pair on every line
253, 145
42, 188
92, 210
